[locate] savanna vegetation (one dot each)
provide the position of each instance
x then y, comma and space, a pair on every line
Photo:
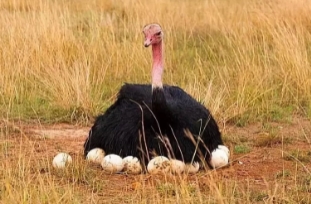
61, 61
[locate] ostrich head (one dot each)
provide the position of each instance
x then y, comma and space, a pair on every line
153, 34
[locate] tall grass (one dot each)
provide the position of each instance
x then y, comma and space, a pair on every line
246, 60
67, 59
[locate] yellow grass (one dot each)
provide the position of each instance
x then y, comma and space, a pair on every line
240, 58
60, 60
27, 176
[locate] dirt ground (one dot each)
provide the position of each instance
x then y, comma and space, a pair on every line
268, 150
261, 161
268, 145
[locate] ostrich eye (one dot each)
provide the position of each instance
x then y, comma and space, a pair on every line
158, 33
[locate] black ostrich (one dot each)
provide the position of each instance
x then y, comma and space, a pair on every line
148, 120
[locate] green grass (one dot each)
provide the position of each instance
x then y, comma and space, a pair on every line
241, 149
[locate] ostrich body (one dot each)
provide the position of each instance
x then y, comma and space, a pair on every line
148, 120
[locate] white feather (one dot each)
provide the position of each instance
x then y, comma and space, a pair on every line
225, 149
219, 158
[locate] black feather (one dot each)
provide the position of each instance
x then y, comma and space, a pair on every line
162, 113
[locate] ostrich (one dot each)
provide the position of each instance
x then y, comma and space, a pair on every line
148, 120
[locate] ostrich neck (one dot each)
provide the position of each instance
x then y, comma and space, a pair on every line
159, 104
157, 66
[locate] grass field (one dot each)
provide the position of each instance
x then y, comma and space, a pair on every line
248, 61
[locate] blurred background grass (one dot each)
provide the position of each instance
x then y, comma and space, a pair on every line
66, 60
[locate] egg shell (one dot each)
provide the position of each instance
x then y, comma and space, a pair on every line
177, 166
158, 164
192, 168
112, 163
61, 160
131, 165
96, 155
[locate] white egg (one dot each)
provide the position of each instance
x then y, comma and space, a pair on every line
112, 163
219, 158
61, 160
95, 155
192, 168
177, 166
132, 165
158, 164
225, 149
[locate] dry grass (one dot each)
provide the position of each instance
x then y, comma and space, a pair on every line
246, 60
274, 175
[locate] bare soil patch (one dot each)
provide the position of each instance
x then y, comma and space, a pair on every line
261, 162
287, 158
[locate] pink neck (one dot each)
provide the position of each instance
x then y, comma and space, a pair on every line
157, 66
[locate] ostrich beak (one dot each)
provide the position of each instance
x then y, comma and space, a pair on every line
147, 42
